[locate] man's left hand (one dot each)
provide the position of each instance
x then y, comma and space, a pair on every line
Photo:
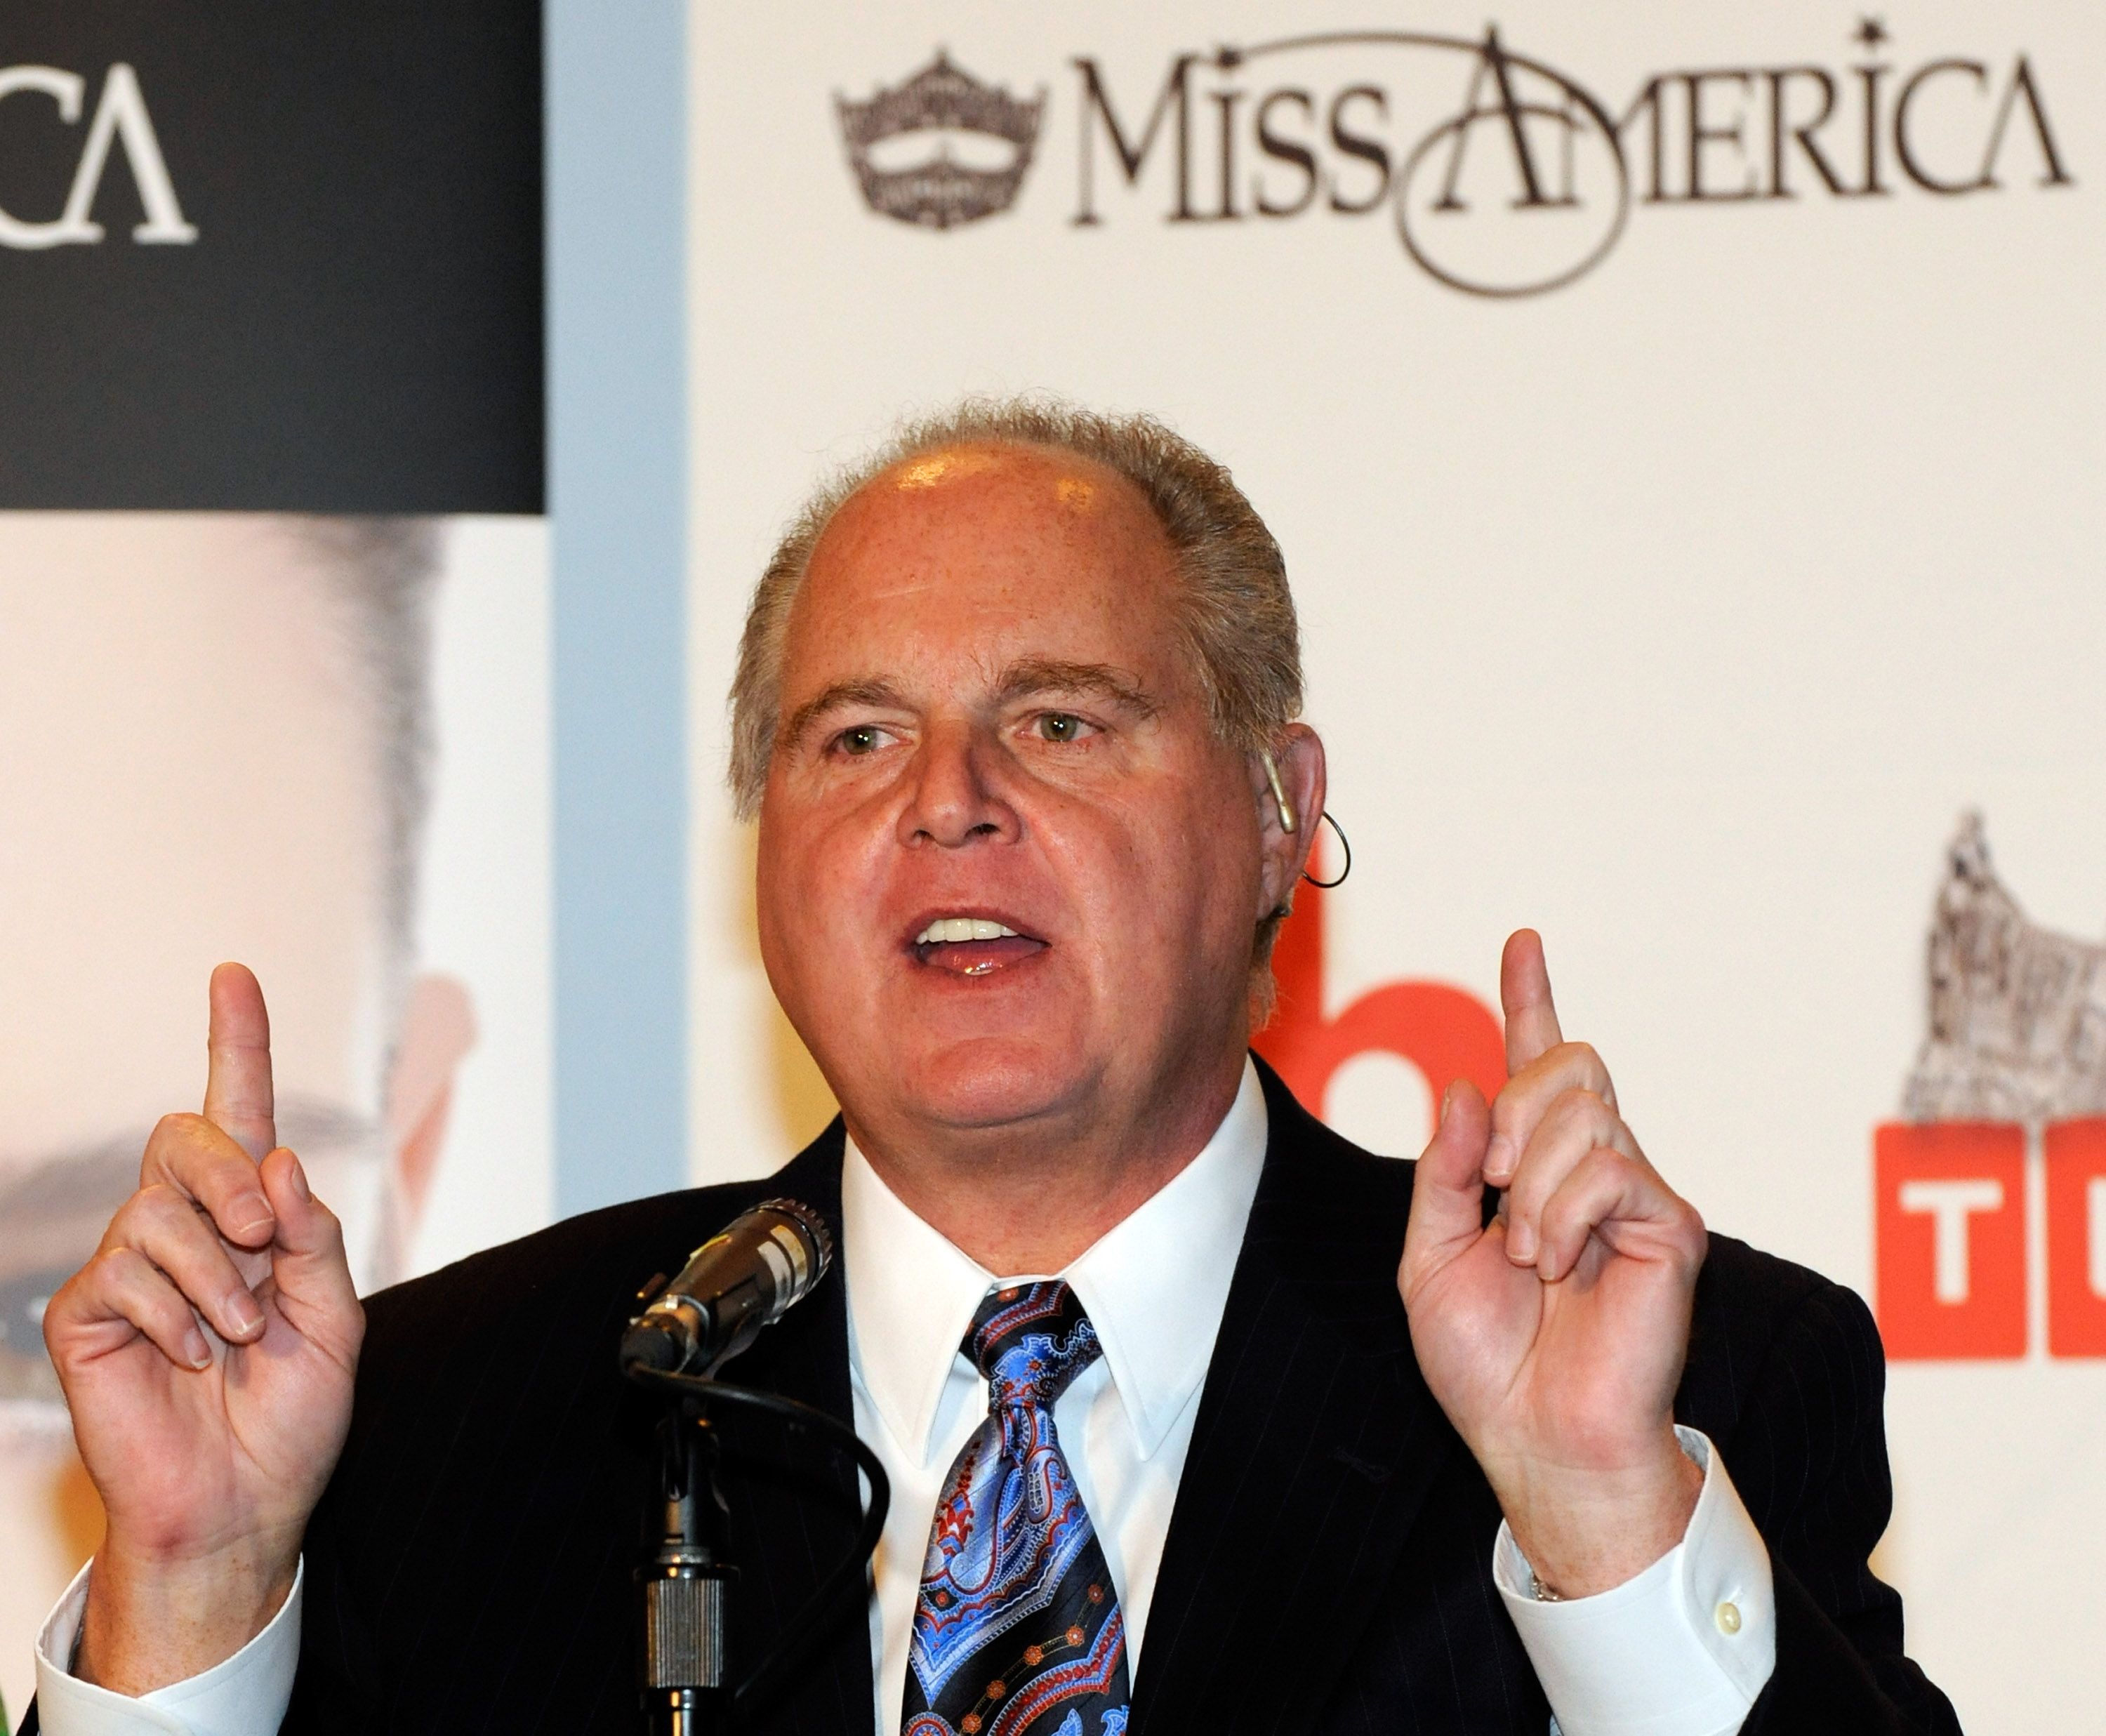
1554, 1337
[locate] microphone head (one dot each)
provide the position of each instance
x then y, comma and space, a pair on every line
809, 1228
743, 1279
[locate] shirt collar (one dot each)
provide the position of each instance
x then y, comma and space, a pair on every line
1155, 1285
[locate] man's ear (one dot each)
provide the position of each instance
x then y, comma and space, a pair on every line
1298, 759
438, 1029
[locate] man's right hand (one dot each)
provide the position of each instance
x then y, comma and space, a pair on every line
209, 1447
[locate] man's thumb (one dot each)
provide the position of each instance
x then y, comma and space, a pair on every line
308, 1262
1448, 1190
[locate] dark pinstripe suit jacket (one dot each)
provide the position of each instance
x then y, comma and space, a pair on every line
1327, 1568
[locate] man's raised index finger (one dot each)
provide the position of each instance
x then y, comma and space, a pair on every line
238, 1098
1525, 997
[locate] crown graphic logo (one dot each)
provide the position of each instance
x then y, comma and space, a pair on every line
950, 110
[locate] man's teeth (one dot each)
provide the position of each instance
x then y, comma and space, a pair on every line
961, 928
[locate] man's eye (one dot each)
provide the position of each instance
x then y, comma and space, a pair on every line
862, 739
1061, 726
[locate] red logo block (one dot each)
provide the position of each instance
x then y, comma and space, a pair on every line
1951, 1221
2076, 1238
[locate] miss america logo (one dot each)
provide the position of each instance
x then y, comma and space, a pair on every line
1499, 174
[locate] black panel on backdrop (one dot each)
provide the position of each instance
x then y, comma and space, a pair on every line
268, 257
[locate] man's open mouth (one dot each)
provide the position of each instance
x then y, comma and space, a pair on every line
973, 945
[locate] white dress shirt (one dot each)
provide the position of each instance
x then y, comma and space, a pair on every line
1681, 1650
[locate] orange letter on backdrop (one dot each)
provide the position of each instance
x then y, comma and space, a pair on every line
1951, 1222
1446, 1033
2077, 1238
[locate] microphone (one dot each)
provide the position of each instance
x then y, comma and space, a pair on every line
746, 1276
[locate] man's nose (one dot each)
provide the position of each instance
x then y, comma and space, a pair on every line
956, 795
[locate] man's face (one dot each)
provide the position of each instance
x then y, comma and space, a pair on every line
990, 716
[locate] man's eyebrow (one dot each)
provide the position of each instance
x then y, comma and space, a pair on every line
869, 690
1043, 674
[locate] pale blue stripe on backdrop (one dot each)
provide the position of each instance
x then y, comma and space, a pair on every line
616, 83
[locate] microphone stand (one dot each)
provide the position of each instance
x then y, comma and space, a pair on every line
686, 1584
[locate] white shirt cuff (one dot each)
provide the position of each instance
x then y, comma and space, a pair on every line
1683, 1649
246, 1695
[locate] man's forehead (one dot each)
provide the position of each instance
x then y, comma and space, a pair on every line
1016, 533
948, 573
954, 499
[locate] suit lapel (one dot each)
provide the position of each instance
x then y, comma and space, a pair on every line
1315, 1449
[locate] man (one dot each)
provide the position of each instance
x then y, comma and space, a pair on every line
215, 729
1176, 1442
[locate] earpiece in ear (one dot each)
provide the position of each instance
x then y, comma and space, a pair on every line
1278, 791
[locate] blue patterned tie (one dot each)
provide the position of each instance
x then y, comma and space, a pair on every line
1019, 1629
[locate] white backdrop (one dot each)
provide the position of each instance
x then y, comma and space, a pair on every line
1679, 611
485, 904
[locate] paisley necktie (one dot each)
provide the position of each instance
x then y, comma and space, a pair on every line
1018, 1629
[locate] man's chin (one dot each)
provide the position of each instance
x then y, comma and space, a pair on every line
987, 1084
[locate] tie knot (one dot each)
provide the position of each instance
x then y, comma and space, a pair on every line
1031, 1340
